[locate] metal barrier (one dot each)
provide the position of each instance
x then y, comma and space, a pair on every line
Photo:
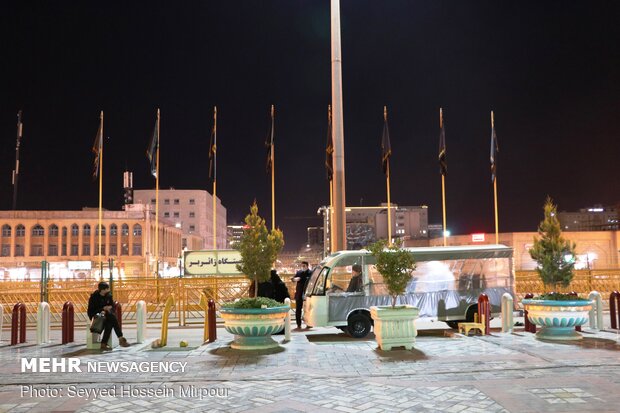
507, 313
484, 312
614, 309
141, 321
596, 313
18, 322
43, 323
529, 326
163, 341
68, 322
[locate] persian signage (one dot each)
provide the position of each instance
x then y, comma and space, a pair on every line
212, 262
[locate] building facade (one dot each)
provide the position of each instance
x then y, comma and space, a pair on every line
366, 225
191, 210
594, 249
69, 242
596, 218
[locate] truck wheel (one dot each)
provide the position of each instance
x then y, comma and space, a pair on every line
359, 325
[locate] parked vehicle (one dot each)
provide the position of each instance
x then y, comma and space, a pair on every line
445, 286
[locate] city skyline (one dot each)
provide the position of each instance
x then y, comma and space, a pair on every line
547, 70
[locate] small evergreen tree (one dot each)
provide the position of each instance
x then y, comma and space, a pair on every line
554, 254
259, 248
395, 265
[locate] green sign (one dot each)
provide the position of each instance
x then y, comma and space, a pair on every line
212, 262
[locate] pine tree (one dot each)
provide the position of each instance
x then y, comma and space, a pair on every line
258, 247
554, 254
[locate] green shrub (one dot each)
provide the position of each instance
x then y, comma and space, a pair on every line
395, 265
255, 302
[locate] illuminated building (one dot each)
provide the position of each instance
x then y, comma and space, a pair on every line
596, 218
190, 210
68, 241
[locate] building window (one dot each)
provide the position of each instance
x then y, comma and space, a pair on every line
166, 202
74, 249
176, 214
102, 230
124, 249
64, 232
192, 214
86, 249
176, 202
20, 231
53, 250
75, 230
192, 228
137, 230
137, 249
53, 230
19, 250
38, 231
184, 243
6, 232
125, 230
63, 251
192, 202
96, 252
153, 201
86, 229
6, 250
113, 229
36, 251
113, 249
166, 214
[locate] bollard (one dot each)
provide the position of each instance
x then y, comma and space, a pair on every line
614, 309
1, 320
18, 322
118, 309
68, 322
212, 325
596, 313
507, 309
529, 326
204, 303
484, 309
141, 321
287, 321
163, 341
43, 323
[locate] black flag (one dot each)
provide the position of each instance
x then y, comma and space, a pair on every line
97, 144
329, 148
443, 164
213, 150
269, 143
494, 151
386, 147
151, 152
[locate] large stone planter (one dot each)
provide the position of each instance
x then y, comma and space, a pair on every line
558, 319
395, 327
253, 327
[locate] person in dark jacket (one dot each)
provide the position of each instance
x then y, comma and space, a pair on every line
356, 284
301, 279
101, 301
280, 291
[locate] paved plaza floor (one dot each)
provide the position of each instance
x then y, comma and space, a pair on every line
321, 370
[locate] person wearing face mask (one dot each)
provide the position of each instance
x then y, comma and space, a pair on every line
301, 278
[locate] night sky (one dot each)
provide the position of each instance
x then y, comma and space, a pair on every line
550, 70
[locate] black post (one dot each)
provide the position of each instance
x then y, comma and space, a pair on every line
110, 268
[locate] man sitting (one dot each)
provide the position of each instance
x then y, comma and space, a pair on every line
101, 301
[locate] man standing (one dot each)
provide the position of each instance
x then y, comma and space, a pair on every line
301, 278
101, 301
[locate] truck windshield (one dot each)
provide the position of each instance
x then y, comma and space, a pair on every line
312, 280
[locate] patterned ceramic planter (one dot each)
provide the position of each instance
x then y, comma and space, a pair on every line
253, 327
395, 327
558, 319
